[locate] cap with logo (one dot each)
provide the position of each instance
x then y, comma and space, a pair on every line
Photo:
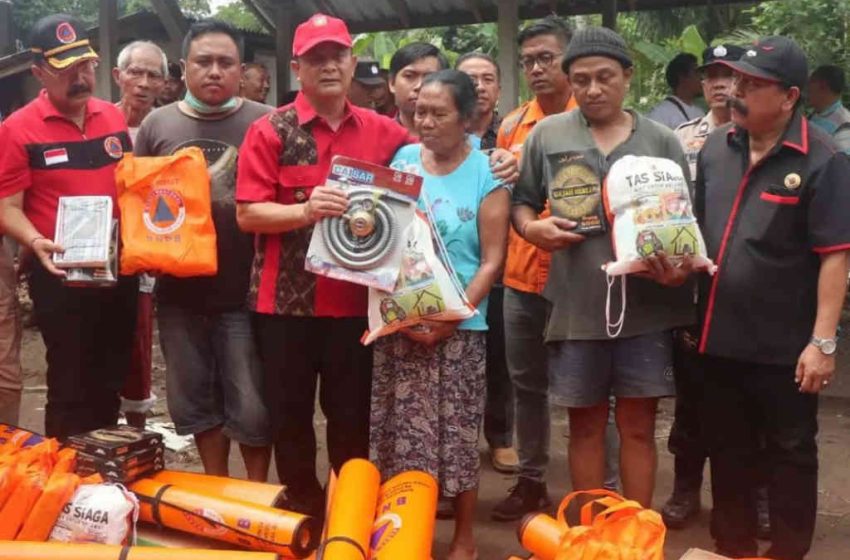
368, 72
776, 59
320, 29
61, 40
721, 53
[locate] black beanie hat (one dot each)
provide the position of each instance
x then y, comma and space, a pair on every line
596, 41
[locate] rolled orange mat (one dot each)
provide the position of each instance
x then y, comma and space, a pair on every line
541, 535
18, 550
241, 523
271, 495
352, 512
407, 509
57, 492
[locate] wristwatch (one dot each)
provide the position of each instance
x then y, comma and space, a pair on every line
826, 345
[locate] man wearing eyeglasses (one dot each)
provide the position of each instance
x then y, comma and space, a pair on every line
67, 143
140, 75
772, 201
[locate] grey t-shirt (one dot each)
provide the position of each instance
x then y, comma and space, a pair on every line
165, 131
577, 285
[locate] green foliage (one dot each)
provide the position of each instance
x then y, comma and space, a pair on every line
237, 14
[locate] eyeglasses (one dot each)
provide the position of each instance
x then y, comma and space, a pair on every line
544, 60
137, 73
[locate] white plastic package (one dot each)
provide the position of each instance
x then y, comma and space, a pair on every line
98, 513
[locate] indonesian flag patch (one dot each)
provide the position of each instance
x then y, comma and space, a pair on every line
55, 156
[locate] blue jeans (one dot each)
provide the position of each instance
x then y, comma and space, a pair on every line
213, 374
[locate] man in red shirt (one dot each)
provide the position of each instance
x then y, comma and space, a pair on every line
67, 143
310, 326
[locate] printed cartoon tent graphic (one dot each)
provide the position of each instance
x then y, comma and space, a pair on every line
163, 213
428, 303
684, 242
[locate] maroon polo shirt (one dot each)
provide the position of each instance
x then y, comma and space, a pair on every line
46, 155
284, 156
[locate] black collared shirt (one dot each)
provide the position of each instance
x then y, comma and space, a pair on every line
488, 141
765, 227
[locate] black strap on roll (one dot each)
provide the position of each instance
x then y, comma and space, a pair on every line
340, 538
125, 553
155, 501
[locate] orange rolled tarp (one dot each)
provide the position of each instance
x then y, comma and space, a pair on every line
352, 512
18, 550
20, 503
57, 492
406, 514
248, 525
262, 493
541, 535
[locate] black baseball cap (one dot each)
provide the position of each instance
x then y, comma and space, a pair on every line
368, 72
777, 59
720, 53
61, 40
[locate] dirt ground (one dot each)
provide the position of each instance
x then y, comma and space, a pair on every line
498, 540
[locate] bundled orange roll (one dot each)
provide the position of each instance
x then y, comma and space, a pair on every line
10, 477
352, 511
66, 460
241, 523
58, 491
264, 494
53, 551
541, 535
407, 509
20, 503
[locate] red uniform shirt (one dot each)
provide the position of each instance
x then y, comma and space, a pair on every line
47, 156
282, 158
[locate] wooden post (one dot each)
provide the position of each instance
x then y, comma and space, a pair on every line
508, 27
609, 14
284, 31
7, 29
107, 45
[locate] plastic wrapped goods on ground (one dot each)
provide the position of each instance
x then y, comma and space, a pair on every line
352, 512
407, 509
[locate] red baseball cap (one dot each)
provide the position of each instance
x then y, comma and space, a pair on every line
320, 29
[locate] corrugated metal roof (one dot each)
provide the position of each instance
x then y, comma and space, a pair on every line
384, 15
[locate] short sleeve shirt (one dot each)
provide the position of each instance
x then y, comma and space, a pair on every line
577, 286
46, 156
693, 135
283, 157
454, 200
765, 227
167, 130
526, 266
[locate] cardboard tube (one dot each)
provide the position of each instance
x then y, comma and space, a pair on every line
271, 495
18, 550
404, 524
541, 535
241, 523
352, 512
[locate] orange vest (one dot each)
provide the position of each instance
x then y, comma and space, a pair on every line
526, 266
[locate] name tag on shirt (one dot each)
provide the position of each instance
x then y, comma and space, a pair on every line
55, 156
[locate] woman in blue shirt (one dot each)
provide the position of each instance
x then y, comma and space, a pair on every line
428, 385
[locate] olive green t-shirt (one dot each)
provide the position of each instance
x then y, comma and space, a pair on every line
561, 150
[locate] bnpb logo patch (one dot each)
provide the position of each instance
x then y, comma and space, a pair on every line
113, 147
65, 33
164, 211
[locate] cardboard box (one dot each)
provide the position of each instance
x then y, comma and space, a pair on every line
115, 441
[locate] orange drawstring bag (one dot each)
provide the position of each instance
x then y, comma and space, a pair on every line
166, 215
623, 530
